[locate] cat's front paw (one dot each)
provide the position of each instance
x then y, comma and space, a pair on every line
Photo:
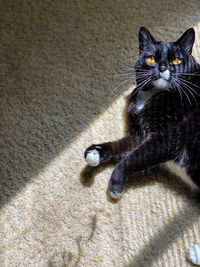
94, 155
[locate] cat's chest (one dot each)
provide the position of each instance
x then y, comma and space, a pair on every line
144, 96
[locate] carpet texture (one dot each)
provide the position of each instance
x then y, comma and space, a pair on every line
57, 61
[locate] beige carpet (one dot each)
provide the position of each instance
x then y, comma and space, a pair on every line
57, 59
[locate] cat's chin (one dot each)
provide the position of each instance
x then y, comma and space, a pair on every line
161, 83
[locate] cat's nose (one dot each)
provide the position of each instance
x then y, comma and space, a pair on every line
162, 67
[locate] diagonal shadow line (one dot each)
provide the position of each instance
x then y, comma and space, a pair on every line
174, 228
160, 242
42, 109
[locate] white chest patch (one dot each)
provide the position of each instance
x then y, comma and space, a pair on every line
180, 172
160, 84
144, 96
163, 81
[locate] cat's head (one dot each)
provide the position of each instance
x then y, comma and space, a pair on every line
165, 65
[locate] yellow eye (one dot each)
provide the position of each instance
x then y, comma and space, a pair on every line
176, 61
151, 60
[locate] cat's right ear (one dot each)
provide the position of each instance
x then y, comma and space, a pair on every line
145, 38
186, 41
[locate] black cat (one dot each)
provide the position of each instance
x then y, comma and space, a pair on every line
163, 113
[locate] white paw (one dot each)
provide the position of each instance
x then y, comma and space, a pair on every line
93, 157
193, 254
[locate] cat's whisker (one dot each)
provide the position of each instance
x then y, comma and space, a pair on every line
133, 72
141, 85
122, 74
129, 68
138, 78
140, 73
187, 96
189, 83
141, 70
189, 89
176, 86
188, 73
141, 76
182, 89
191, 94
122, 83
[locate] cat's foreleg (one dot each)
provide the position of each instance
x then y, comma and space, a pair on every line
102, 153
150, 153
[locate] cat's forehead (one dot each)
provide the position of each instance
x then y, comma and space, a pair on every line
161, 49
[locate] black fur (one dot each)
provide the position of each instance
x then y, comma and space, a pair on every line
168, 125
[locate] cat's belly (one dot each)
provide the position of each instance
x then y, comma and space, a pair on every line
179, 171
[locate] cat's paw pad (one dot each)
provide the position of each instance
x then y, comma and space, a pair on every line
193, 254
92, 157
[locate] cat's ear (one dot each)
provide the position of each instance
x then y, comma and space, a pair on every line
145, 38
186, 41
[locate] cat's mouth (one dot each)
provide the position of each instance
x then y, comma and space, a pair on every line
165, 75
163, 81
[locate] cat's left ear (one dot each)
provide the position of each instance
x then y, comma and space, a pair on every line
186, 41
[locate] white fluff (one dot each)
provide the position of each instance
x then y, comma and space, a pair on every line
161, 83
165, 74
93, 157
144, 96
193, 254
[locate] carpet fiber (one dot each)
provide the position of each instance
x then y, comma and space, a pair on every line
59, 94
